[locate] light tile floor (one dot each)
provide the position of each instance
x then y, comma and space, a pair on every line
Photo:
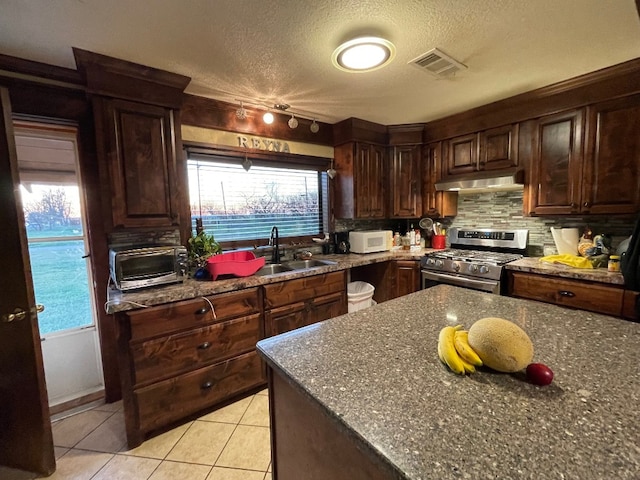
231, 443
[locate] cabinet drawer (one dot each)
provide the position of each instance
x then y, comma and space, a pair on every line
299, 290
569, 293
179, 397
173, 317
167, 356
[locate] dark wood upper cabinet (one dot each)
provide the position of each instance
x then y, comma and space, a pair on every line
406, 182
556, 164
612, 161
587, 165
140, 152
462, 154
359, 184
136, 112
491, 149
499, 148
434, 203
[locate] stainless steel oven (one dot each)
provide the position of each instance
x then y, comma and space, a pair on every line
475, 260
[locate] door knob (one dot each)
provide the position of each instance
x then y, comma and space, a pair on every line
19, 314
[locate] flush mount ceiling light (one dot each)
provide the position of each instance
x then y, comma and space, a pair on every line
363, 54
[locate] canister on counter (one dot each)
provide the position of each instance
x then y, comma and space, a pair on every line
614, 263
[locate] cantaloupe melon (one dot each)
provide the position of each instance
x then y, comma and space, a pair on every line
502, 345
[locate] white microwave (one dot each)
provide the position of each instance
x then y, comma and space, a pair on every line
369, 241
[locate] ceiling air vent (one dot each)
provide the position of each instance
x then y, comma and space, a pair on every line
437, 63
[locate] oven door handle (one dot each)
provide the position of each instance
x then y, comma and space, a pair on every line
484, 285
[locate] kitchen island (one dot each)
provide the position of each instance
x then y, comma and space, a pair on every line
364, 396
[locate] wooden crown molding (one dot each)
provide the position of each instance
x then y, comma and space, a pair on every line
113, 77
37, 71
616, 81
216, 114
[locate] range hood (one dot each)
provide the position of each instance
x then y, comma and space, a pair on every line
492, 181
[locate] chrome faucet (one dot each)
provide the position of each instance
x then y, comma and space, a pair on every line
274, 242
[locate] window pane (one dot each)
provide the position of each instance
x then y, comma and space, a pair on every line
61, 285
51, 210
236, 204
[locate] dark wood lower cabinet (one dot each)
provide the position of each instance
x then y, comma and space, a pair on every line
391, 279
296, 303
594, 297
182, 358
407, 277
306, 442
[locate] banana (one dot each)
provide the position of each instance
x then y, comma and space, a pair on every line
468, 354
447, 351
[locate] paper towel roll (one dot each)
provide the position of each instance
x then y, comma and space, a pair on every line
566, 240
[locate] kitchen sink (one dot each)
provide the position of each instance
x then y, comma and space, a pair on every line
311, 263
273, 268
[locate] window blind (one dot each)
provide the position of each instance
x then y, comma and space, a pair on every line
236, 204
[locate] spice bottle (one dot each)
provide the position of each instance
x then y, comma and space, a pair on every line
614, 263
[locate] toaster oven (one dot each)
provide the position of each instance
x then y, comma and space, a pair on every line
139, 267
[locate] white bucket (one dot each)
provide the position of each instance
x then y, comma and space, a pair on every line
359, 296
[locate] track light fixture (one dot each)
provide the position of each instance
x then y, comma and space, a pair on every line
268, 117
241, 113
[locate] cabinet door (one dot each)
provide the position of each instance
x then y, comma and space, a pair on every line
435, 204
556, 164
369, 175
407, 277
499, 148
329, 306
462, 154
284, 319
139, 149
612, 161
405, 182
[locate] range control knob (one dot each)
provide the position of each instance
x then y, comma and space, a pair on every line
484, 269
439, 263
473, 268
456, 267
430, 261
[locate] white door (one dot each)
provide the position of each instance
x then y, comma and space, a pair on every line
56, 233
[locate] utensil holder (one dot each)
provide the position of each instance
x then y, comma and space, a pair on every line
439, 242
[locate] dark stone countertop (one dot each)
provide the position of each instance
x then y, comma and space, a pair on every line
377, 371
118, 301
534, 265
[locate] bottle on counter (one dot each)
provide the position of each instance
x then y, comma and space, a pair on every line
418, 237
396, 239
412, 235
614, 263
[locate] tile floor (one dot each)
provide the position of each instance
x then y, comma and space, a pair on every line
231, 443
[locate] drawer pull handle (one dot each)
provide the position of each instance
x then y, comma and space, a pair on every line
204, 346
566, 293
207, 385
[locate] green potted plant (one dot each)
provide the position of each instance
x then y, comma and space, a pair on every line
201, 247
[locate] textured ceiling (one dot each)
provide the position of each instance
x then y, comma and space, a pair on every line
275, 51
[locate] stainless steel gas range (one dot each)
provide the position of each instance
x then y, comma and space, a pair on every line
476, 258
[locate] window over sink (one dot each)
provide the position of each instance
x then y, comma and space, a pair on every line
240, 197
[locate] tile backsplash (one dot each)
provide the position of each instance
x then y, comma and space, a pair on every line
505, 210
